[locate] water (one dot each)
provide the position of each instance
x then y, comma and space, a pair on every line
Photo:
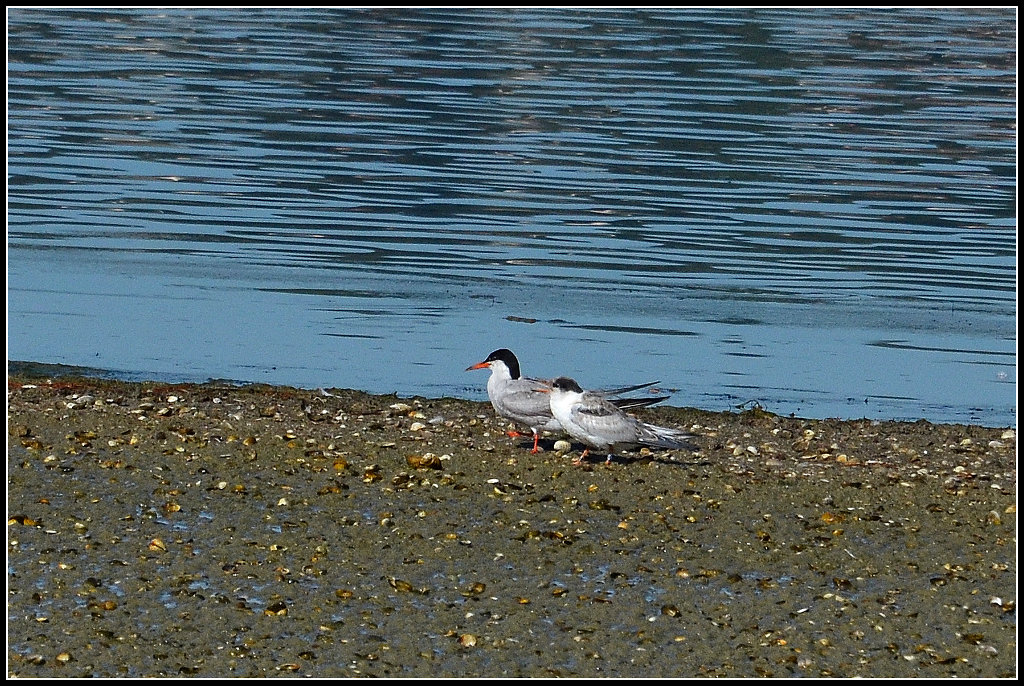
810, 210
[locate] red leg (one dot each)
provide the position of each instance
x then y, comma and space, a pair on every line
579, 460
536, 438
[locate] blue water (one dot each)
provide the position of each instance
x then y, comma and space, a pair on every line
810, 210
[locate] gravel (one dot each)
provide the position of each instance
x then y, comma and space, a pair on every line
216, 530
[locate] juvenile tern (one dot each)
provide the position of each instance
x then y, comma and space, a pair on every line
589, 417
525, 400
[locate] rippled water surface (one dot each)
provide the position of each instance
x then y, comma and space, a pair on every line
812, 210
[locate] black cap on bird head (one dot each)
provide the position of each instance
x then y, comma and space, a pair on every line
564, 383
508, 357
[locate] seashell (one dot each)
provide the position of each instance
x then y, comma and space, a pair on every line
278, 609
424, 461
475, 588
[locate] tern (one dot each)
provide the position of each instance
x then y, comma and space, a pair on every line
589, 417
525, 400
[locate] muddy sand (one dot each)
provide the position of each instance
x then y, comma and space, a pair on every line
214, 530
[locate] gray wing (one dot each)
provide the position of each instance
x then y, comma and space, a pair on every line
603, 420
610, 393
600, 418
524, 402
660, 436
631, 402
627, 389
664, 437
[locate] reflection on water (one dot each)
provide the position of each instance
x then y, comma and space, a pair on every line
814, 210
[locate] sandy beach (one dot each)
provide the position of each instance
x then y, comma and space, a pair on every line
214, 530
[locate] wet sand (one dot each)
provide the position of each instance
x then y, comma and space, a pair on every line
214, 531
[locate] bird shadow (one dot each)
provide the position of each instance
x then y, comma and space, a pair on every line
666, 457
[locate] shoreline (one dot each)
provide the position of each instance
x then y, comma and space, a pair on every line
47, 370
221, 530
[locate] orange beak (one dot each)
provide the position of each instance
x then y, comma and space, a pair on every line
478, 365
